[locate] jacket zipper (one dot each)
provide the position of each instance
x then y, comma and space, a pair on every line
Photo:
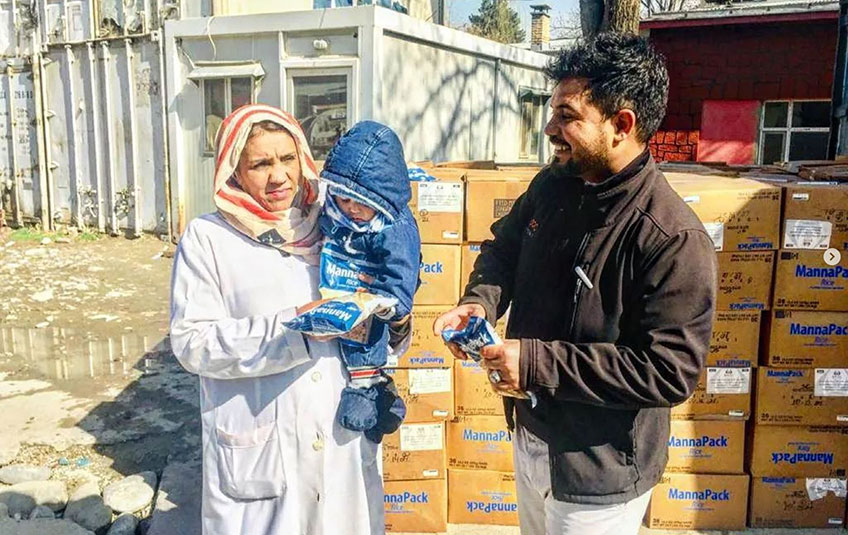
579, 284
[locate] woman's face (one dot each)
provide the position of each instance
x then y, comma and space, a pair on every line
269, 169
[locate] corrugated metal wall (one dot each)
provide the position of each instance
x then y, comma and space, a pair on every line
82, 126
105, 135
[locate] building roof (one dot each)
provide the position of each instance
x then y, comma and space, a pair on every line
746, 12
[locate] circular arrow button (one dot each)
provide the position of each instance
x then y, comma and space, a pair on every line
832, 257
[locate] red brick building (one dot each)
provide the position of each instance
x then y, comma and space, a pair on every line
749, 83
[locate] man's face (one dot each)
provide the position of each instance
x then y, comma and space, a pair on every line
579, 133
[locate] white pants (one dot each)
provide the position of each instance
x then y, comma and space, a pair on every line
540, 514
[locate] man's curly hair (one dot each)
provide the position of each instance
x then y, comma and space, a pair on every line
623, 71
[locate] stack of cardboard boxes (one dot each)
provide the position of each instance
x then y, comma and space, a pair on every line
465, 474
778, 361
705, 486
799, 451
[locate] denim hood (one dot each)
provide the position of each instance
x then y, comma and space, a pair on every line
368, 161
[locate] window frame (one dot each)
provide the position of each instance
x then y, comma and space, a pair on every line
787, 130
543, 96
228, 102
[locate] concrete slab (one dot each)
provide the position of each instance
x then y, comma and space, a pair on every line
177, 506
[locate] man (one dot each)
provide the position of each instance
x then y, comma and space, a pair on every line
611, 281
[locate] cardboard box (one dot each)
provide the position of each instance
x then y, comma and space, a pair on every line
479, 443
721, 394
426, 350
788, 502
798, 451
815, 216
419, 506
415, 451
738, 213
803, 339
468, 164
803, 281
427, 392
699, 501
802, 396
439, 270
490, 196
744, 280
482, 497
706, 447
735, 340
473, 394
438, 207
470, 252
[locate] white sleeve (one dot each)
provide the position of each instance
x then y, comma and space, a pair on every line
208, 342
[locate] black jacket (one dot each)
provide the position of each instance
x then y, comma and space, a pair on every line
606, 359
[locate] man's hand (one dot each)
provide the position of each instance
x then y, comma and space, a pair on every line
457, 318
504, 359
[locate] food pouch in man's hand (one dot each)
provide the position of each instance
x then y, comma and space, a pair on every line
472, 338
341, 316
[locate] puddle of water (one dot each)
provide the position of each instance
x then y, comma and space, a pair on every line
65, 355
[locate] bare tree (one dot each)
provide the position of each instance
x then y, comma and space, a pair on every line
609, 16
566, 26
651, 7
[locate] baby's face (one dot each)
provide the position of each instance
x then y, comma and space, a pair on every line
354, 210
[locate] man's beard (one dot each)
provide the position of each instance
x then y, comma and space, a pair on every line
593, 161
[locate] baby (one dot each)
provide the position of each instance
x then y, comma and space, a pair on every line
372, 245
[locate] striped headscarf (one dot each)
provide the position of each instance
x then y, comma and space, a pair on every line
294, 230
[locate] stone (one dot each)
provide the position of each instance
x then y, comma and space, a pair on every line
21, 473
4, 511
22, 498
41, 511
86, 507
132, 493
41, 526
42, 296
125, 524
177, 508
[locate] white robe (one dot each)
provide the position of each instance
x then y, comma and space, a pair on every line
275, 461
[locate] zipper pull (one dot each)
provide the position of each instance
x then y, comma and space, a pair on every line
577, 290
583, 277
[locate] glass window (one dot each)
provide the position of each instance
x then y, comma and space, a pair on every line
811, 114
241, 90
808, 146
321, 4
775, 114
794, 130
320, 103
772, 147
214, 109
530, 105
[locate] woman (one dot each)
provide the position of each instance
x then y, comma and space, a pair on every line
275, 462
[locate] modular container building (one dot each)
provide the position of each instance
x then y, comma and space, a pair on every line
449, 95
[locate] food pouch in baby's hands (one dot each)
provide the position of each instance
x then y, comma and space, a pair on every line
472, 338
344, 271
343, 316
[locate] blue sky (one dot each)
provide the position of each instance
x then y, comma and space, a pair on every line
459, 10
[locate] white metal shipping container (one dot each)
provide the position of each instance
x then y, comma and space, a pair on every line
105, 135
22, 194
448, 94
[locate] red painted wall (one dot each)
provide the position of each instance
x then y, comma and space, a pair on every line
729, 131
785, 60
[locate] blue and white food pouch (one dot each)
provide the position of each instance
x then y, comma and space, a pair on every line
344, 272
346, 316
471, 339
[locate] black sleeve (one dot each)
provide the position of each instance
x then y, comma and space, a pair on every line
661, 366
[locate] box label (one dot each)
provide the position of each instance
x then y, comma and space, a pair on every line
501, 207
831, 382
807, 234
728, 380
440, 197
421, 437
817, 488
429, 381
716, 232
